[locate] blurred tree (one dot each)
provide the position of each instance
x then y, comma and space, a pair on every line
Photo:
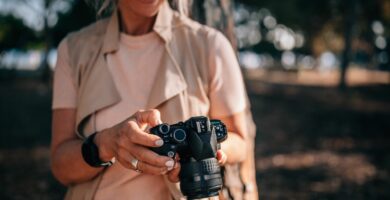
78, 16
50, 8
46, 14
14, 34
217, 14
349, 22
327, 27
320, 22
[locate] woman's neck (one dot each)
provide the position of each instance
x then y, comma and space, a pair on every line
134, 24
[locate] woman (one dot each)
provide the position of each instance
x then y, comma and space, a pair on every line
144, 65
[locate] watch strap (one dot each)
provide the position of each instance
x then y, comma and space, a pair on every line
90, 153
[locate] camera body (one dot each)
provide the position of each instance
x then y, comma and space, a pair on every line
196, 141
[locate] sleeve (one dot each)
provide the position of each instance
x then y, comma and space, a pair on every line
226, 86
64, 88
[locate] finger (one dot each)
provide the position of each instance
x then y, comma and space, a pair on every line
152, 158
124, 158
177, 157
150, 169
173, 175
150, 117
138, 136
221, 157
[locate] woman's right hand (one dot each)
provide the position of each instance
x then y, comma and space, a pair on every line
128, 141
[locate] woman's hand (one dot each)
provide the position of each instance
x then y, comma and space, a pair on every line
173, 175
221, 157
128, 141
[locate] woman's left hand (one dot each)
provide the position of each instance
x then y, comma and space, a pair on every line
221, 157
173, 175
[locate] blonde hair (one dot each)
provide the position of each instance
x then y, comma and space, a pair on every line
104, 8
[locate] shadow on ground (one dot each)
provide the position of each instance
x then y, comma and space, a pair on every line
312, 143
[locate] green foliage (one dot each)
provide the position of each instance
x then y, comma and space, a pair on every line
14, 34
307, 16
316, 19
311, 15
79, 16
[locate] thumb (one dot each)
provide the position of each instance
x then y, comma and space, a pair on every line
146, 118
173, 175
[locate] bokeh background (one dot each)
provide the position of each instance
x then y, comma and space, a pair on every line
317, 73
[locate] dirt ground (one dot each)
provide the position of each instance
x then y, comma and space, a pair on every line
312, 143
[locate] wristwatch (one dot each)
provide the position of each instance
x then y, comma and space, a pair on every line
90, 153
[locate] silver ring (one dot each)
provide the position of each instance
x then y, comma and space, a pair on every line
134, 162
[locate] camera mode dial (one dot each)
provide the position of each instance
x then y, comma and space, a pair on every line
164, 128
179, 135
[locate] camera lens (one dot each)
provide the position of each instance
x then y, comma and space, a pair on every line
179, 135
164, 128
200, 179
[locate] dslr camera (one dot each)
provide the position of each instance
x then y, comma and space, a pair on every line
196, 141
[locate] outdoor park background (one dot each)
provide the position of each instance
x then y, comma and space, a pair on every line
319, 136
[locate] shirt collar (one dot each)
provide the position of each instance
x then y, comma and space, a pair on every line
162, 26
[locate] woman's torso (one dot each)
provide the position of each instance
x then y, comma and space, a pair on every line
133, 68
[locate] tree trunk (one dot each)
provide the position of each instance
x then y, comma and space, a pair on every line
348, 33
217, 14
47, 32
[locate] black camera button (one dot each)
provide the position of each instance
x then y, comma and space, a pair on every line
179, 135
208, 125
171, 154
164, 128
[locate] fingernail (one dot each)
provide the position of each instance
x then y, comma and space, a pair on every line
170, 168
159, 142
169, 164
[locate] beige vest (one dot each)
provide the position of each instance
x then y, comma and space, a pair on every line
180, 88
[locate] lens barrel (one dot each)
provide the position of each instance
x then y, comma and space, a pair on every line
200, 179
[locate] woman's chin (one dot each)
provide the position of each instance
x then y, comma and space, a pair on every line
144, 8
